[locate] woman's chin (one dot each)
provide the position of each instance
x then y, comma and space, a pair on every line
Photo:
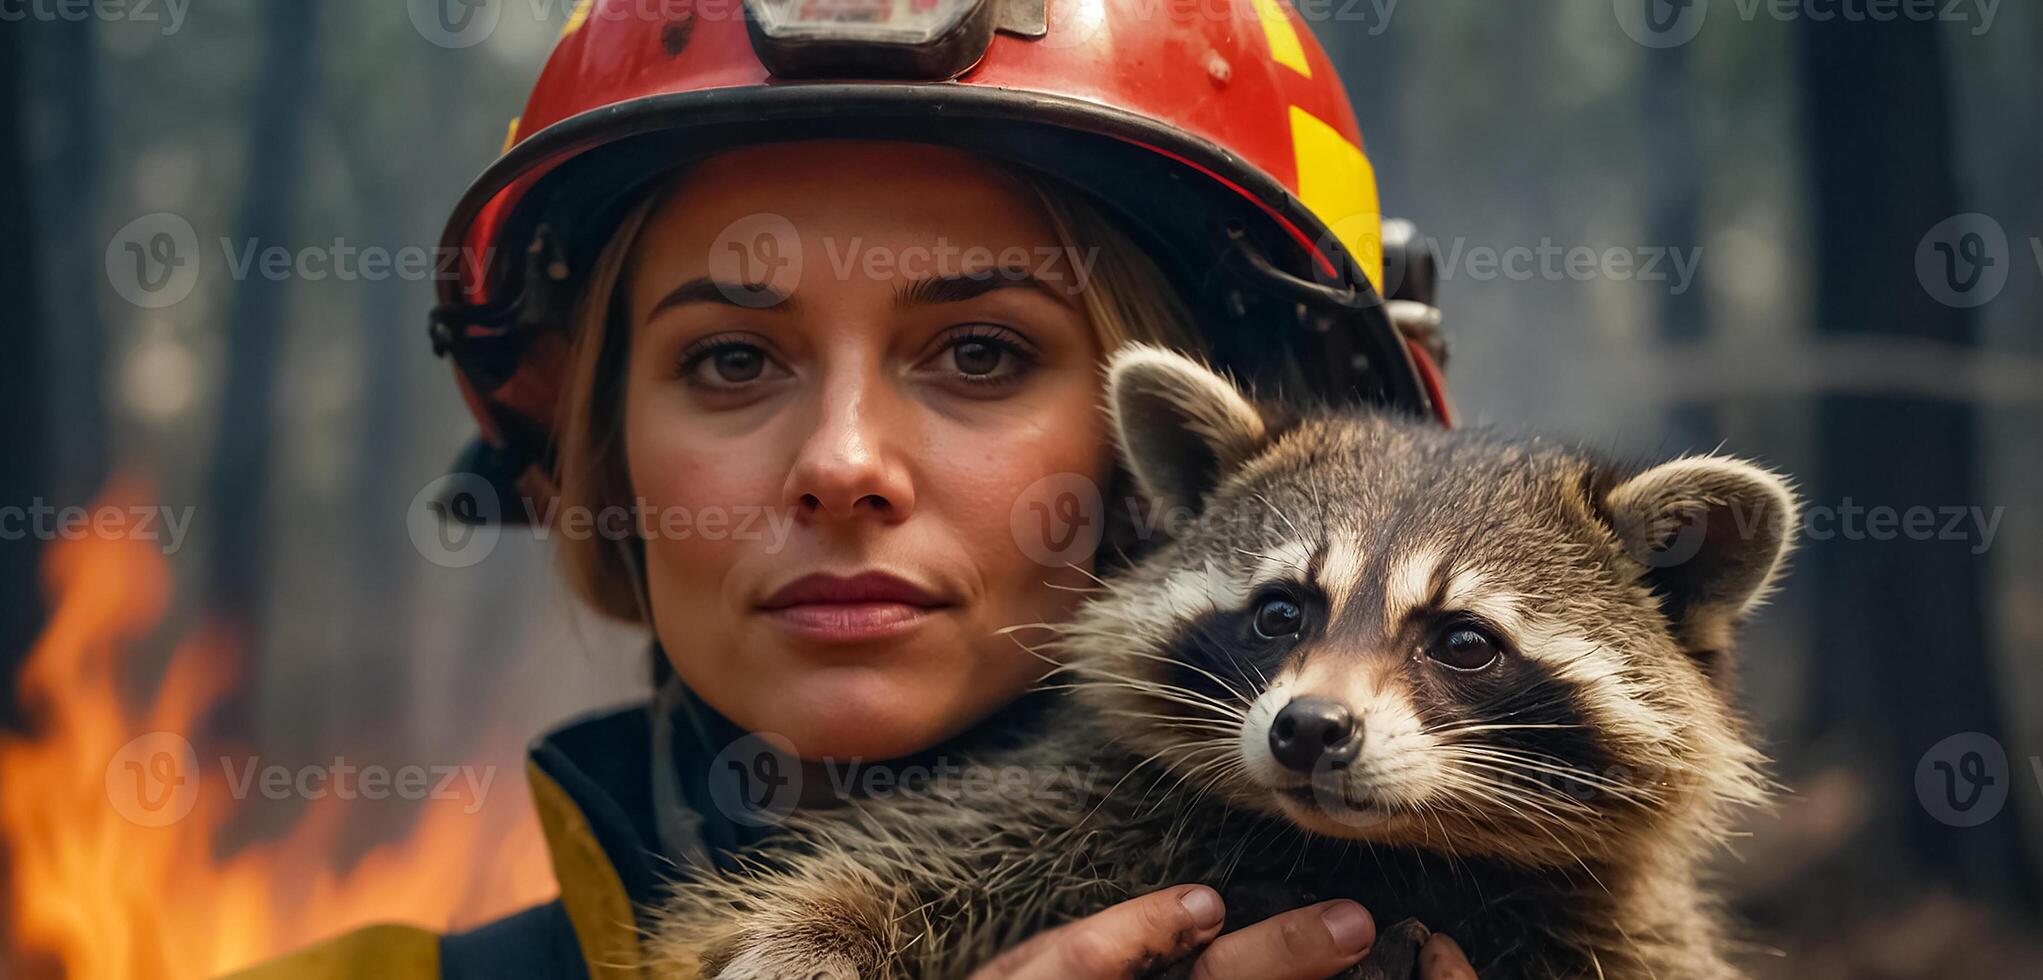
863, 711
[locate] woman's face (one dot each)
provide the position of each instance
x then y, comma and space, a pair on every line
849, 361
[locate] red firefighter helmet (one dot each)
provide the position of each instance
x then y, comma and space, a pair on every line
1215, 131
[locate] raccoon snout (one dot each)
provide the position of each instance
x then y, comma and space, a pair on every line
1311, 733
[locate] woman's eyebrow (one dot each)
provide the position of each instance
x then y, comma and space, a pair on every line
959, 287
703, 289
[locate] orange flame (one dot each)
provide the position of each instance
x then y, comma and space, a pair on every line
99, 891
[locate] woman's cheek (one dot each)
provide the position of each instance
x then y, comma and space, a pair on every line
1002, 499
695, 497
680, 463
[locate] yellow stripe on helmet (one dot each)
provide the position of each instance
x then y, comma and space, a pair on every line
1283, 38
1337, 183
576, 19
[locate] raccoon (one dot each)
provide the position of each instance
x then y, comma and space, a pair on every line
1469, 681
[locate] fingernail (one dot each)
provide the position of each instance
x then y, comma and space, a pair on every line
1204, 904
1349, 924
1443, 952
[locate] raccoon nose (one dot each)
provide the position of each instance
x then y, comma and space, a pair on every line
1311, 732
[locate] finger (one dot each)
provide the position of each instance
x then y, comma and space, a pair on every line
1129, 939
1442, 959
1307, 944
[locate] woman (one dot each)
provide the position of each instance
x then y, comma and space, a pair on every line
866, 321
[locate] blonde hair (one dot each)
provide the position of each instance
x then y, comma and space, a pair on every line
1126, 296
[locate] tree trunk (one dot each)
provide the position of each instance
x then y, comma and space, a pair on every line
257, 320
24, 417
1901, 654
1673, 183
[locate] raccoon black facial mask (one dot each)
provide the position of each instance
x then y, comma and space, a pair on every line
1476, 673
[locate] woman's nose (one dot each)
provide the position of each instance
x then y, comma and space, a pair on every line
848, 467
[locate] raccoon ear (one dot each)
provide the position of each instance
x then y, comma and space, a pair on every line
1181, 428
1712, 532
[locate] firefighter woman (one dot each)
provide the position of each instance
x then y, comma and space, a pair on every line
843, 272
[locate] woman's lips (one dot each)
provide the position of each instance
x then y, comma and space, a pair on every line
850, 620
865, 606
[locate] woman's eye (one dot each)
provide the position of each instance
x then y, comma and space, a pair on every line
1465, 648
976, 357
987, 355
1278, 618
730, 364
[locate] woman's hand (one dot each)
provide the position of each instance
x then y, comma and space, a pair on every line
1137, 936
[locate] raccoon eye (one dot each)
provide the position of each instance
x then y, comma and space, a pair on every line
1462, 646
1278, 617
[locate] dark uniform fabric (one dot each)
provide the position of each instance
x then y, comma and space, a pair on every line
625, 799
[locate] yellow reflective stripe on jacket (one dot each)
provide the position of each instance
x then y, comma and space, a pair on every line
389, 952
597, 903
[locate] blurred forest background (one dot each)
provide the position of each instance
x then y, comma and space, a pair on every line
1807, 164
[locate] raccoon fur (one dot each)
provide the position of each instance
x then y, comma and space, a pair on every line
1475, 682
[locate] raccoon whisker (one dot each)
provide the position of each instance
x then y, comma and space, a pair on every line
1274, 510
1130, 774
1103, 678
1058, 628
1544, 828
1227, 732
1526, 813
1223, 763
1033, 652
1216, 678
1211, 711
1231, 709
1553, 767
1635, 797
1219, 763
1286, 562
1228, 765
1473, 728
1542, 819
1168, 692
1087, 572
1526, 782
1080, 589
